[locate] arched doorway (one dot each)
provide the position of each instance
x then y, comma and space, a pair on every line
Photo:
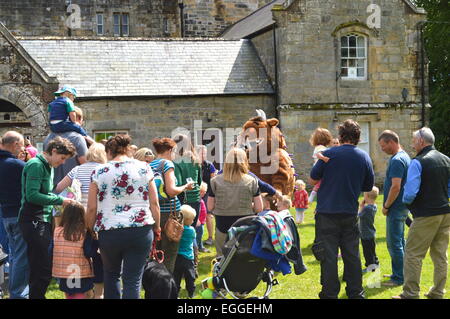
22, 112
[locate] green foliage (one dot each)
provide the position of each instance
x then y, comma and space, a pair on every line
437, 46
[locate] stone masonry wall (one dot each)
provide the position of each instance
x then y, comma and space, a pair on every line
299, 122
149, 118
309, 35
147, 18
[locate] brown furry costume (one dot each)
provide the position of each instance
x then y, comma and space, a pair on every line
265, 145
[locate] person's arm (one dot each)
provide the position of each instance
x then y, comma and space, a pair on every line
320, 156
369, 178
169, 181
263, 186
34, 180
211, 203
91, 213
316, 172
73, 117
393, 194
257, 204
154, 208
413, 181
63, 184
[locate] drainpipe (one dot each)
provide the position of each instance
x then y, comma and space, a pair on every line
275, 56
421, 25
181, 6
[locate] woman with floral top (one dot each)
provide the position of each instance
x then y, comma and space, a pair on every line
123, 208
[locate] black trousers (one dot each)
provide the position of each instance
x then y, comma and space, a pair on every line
334, 232
369, 251
185, 268
38, 236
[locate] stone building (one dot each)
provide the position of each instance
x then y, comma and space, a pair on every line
309, 63
331, 60
144, 87
123, 18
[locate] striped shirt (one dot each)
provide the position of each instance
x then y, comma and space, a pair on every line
83, 174
165, 205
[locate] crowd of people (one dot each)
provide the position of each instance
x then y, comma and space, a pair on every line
123, 197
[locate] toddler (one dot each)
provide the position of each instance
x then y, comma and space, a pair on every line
368, 209
73, 249
321, 140
184, 265
62, 112
284, 204
267, 201
201, 219
300, 201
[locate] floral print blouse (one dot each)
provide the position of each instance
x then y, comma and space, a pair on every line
122, 199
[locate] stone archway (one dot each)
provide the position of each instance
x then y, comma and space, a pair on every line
30, 104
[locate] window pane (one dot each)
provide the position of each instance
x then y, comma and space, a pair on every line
352, 53
360, 63
99, 19
352, 41
361, 43
100, 29
344, 53
116, 19
344, 42
344, 63
125, 30
125, 19
344, 72
360, 72
361, 53
352, 63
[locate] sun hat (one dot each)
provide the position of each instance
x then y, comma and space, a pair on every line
66, 88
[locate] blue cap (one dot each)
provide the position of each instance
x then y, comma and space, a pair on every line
66, 88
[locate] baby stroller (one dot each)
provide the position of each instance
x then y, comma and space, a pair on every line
240, 271
3, 258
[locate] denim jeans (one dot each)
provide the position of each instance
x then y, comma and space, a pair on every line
18, 260
38, 236
67, 126
395, 240
198, 238
334, 231
3, 236
124, 251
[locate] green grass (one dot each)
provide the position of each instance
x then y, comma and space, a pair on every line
307, 285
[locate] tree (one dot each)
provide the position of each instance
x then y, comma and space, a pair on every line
437, 48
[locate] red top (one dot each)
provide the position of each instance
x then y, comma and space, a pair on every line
203, 212
301, 199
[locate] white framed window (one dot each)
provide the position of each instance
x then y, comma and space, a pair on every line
100, 24
364, 139
354, 57
121, 24
104, 135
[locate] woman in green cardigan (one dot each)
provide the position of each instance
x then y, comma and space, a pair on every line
36, 211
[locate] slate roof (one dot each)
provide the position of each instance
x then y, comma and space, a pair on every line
254, 22
150, 67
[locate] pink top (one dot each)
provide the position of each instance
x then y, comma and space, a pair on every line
301, 199
31, 150
203, 212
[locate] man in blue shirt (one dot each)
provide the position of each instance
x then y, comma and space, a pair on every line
426, 195
348, 172
393, 208
10, 200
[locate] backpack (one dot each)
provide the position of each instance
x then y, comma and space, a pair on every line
159, 181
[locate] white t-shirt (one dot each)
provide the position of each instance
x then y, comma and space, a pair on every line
318, 149
123, 200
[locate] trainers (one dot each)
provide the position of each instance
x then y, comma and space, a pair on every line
208, 242
371, 268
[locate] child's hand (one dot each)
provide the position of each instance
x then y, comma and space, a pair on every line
322, 157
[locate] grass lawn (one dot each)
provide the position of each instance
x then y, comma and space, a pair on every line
307, 285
